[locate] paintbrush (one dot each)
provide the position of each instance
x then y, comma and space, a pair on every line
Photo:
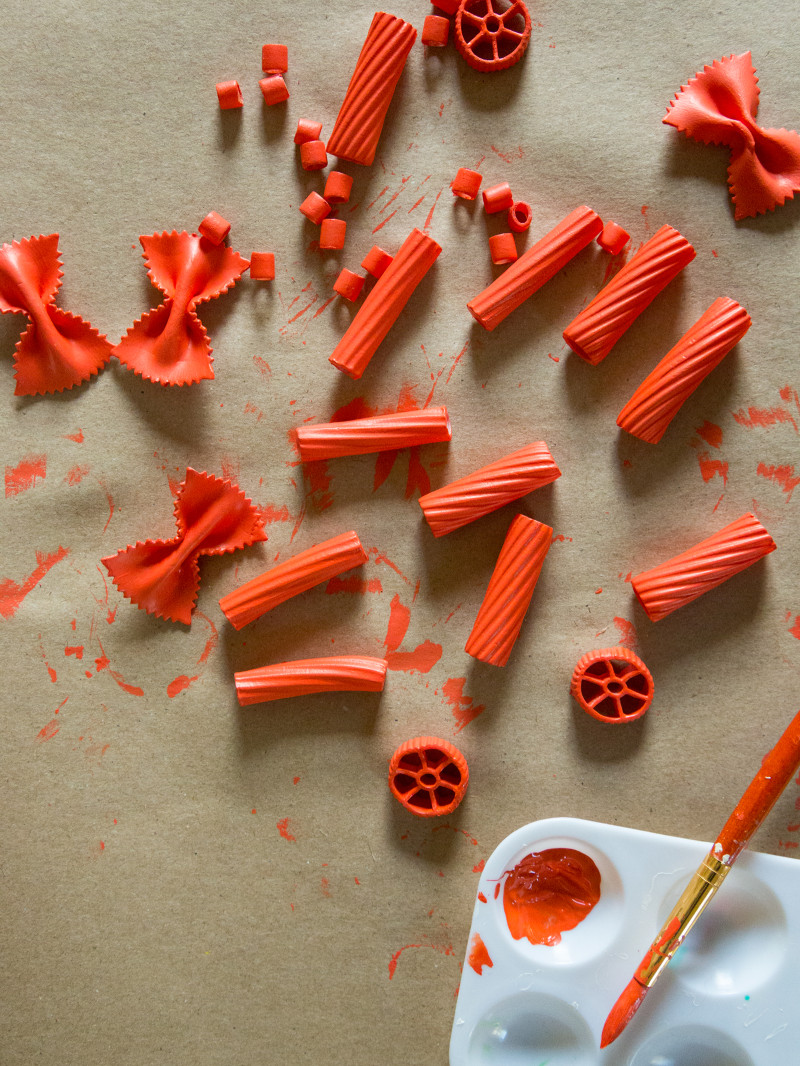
751, 810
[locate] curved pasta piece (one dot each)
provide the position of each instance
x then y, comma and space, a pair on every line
58, 350
162, 577
535, 267
298, 574
303, 677
663, 392
358, 125
478, 494
379, 433
687, 576
510, 590
719, 106
169, 344
383, 304
616, 307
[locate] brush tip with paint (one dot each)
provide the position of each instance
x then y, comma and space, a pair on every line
622, 1011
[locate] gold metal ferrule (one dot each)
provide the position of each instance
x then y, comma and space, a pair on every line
693, 901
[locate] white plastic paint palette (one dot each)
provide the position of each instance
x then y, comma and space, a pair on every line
730, 997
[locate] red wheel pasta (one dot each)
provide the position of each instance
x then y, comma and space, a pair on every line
478, 494
535, 267
687, 576
57, 350
162, 577
612, 685
492, 34
510, 590
380, 309
358, 125
170, 345
599, 326
380, 433
303, 677
428, 776
299, 574
662, 393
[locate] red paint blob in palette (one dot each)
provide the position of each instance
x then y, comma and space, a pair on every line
548, 893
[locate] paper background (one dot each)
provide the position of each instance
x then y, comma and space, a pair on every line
153, 912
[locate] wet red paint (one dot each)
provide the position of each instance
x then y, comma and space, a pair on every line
12, 594
422, 659
282, 825
463, 707
357, 585
710, 468
548, 893
77, 437
180, 684
74, 649
25, 474
478, 954
76, 474
711, 433
781, 475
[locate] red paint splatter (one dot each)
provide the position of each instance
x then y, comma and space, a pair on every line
74, 649
358, 585
282, 825
110, 500
598, 591
627, 633
318, 478
325, 887
381, 557
429, 219
25, 474
455, 362
416, 205
180, 684
104, 663
76, 474
711, 433
714, 253
387, 219
795, 632
356, 880
50, 670
781, 475
710, 468
562, 537
322, 307
295, 780
213, 638
445, 949
251, 409
399, 619
49, 731
262, 366
463, 708
478, 955
555, 358
482, 898
479, 867
762, 417
77, 437
12, 594
422, 659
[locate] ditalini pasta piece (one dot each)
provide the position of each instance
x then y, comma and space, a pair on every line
478, 494
358, 125
57, 350
682, 579
380, 309
662, 393
302, 677
380, 433
535, 267
298, 574
616, 307
510, 589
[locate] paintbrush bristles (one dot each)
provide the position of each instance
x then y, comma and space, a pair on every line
622, 1011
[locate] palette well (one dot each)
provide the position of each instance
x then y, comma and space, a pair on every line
728, 998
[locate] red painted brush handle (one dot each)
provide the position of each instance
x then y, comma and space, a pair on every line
762, 792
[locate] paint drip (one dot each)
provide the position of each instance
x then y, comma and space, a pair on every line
548, 893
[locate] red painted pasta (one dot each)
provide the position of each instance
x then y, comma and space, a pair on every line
508, 596
660, 396
478, 494
687, 576
380, 309
616, 307
358, 125
537, 266
298, 574
337, 673
380, 433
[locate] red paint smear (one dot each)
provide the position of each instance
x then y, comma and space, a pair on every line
104, 663
445, 949
308, 307
555, 358
417, 475
455, 362
478, 955
562, 537
421, 660
213, 638
262, 366
180, 684
504, 156
399, 618
627, 633
49, 731
12, 594
270, 513
387, 219
357, 585
781, 475
50, 670
711, 433
795, 630
25, 474
462, 707
77, 437
710, 468
282, 825
381, 557
319, 480
549, 893
322, 307
110, 500
763, 417
413, 206
295, 780
74, 649
76, 474
325, 887
482, 898
429, 219
478, 867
